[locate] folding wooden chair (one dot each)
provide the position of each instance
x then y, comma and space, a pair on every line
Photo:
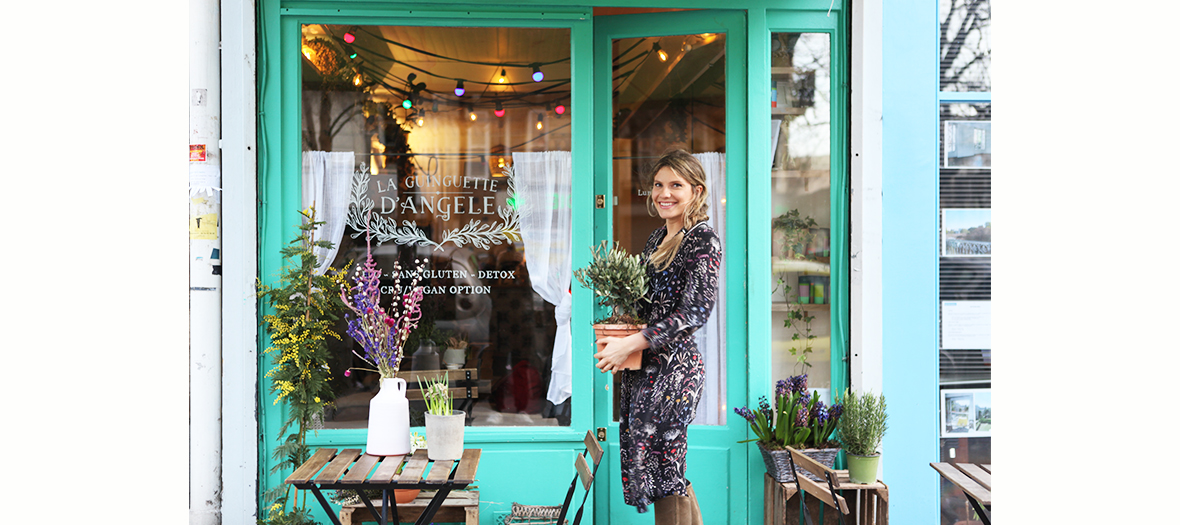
827, 494
554, 514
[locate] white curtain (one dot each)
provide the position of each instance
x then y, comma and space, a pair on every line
327, 180
711, 337
543, 185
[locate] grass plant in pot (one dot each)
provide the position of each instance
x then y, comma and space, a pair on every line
444, 425
860, 431
619, 282
798, 419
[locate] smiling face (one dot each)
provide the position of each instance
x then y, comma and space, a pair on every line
672, 194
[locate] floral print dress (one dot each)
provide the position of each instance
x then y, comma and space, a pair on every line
658, 401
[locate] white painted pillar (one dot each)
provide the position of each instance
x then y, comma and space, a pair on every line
239, 327
866, 274
204, 264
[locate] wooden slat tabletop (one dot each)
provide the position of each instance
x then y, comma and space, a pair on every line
976, 473
387, 470
412, 473
466, 471
970, 486
339, 464
308, 469
440, 472
360, 470
352, 467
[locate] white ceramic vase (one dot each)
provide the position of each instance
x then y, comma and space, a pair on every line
444, 436
389, 420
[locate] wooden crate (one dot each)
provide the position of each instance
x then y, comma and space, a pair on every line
867, 504
461, 506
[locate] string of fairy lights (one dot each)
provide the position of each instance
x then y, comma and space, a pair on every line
338, 56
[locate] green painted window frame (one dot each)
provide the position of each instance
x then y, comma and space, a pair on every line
280, 189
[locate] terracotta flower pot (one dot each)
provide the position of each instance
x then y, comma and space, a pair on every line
403, 496
635, 360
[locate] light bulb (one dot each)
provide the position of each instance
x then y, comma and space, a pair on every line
662, 54
349, 37
540, 125
407, 103
308, 51
560, 109
471, 116
499, 110
537, 74
421, 121
459, 91
503, 76
357, 80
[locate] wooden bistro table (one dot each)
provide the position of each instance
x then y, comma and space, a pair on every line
351, 470
976, 482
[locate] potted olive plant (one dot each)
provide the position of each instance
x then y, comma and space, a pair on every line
619, 282
860, 432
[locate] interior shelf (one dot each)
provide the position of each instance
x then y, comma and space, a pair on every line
799, 174
779, 265
785, 307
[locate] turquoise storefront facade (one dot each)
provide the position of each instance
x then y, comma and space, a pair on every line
533, 464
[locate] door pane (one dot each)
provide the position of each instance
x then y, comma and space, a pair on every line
800, 122
669, 92
417, 126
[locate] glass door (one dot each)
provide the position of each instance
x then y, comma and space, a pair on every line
680, 86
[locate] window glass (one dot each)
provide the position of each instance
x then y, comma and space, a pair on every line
409, 133
800, 123
965, 45
669, 93
964, 276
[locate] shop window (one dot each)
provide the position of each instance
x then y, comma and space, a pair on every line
964, 275
801, 180
433, 141
965, 45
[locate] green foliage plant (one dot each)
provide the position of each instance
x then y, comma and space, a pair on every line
863, 425
799, 321
796, 231
437, 394
619, 282
305, 306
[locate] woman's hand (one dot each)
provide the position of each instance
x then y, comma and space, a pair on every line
613, 351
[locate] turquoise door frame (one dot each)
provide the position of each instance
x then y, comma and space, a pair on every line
716, 462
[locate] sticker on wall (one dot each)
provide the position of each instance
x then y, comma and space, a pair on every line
196, 153
454, 195
203, 227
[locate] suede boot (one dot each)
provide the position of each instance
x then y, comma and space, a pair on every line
694, 508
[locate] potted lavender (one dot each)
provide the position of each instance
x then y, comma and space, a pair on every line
382, 335
798, 419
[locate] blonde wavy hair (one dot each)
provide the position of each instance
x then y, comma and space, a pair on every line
687, 167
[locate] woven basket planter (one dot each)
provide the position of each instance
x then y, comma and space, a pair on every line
778, 462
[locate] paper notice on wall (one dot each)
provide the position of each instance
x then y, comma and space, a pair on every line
966, 325
203, 227
204, 179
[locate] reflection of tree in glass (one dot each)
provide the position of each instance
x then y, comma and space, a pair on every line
965, 36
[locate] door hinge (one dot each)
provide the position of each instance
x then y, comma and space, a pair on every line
602, 433
600, 201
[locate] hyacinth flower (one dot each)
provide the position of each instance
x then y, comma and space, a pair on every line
381, 334
823, 423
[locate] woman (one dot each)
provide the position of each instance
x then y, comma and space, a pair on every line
658, 401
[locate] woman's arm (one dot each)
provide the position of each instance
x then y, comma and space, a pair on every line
613, 351
702, 264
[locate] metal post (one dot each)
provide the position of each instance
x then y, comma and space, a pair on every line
204, 98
